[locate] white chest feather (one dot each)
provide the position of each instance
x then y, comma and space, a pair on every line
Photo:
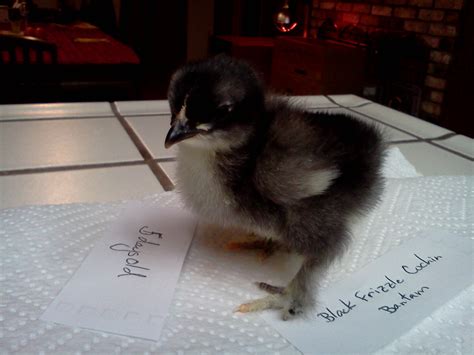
202, 188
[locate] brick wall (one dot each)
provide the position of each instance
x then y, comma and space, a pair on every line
435, 21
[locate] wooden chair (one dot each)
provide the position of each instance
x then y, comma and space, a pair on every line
17, 49
26, 77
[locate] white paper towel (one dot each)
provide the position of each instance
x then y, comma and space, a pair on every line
42, 246
396, 165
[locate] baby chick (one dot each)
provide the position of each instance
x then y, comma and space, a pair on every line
261, 163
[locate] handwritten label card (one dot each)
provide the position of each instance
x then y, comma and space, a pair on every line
126, 284
385, 299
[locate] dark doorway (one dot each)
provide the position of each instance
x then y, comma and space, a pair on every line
458, 109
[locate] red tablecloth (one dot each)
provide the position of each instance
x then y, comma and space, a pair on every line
82, 43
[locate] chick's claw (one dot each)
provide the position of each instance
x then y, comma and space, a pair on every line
294, 310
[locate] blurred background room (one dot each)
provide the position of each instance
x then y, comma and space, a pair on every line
412, 55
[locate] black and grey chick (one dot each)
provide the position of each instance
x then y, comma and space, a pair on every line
266, 165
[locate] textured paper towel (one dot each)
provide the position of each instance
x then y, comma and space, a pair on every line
396, 165
43, 245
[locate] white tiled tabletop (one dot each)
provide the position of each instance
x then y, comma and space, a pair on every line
46, 143
56, 110
169, 167
138, 108
348, 100
99, 152
430, 160
402, 121
320, 102
460, 144
152, 131
390, 134
83, 185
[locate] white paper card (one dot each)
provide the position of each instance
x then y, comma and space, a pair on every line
385, 299
126, 284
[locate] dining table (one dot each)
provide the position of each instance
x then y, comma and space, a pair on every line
80, 43
91, 66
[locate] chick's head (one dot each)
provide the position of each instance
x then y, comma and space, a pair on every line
214, 102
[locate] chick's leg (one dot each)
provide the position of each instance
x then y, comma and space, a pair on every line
300, 291
293, 300
265, 246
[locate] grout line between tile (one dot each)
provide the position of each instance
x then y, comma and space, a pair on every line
169, 113
55, 118
147, 114
163, 179
451, 151
61, 168
355, 106
321, 107
405, 141
372, 118
165, 160
363, 104
420, 139
443, 137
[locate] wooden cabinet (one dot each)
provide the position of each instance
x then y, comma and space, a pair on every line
315, 67
298, 66
255, 50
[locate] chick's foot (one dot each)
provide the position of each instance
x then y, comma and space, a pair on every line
278, 298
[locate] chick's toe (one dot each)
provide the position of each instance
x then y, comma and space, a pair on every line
290, 308
270, 288
276, 301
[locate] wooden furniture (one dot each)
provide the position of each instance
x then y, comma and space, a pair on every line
91, 66
314, 67
255, 50
297, 66
81, 43
16, 49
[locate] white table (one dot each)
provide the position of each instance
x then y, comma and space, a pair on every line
99, 152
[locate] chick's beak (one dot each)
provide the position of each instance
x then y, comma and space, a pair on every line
178, 132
